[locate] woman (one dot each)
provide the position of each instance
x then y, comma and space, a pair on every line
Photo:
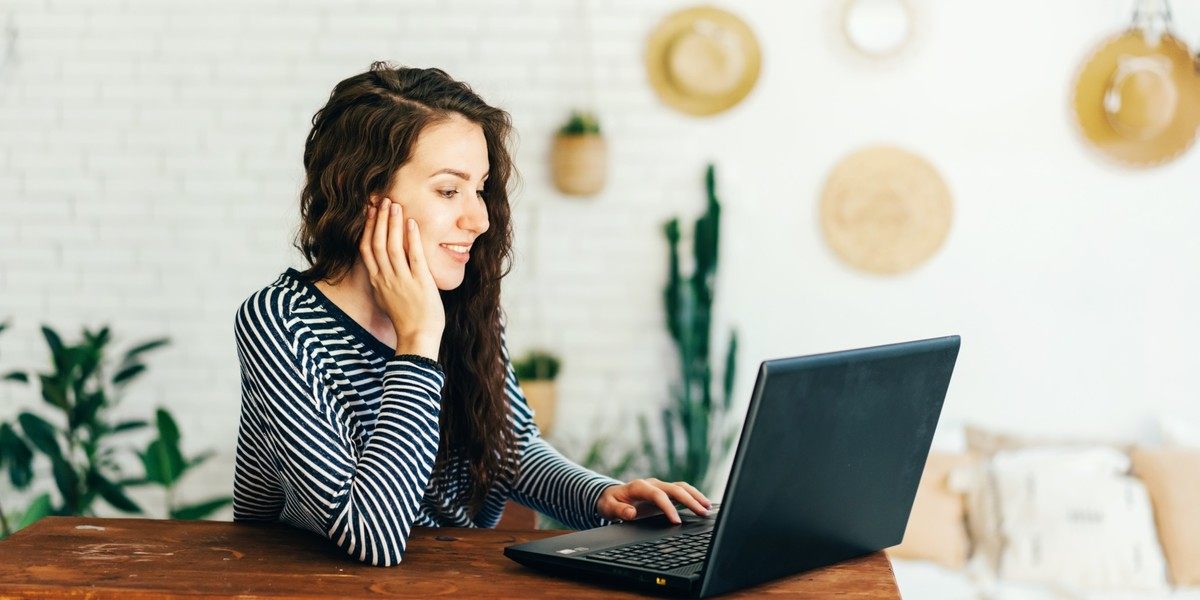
377, 391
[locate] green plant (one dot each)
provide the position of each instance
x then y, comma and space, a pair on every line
536, 365
165, 465
694, 424
581, 123
17, 457
80, 441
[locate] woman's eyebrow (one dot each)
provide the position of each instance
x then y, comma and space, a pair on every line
458, 174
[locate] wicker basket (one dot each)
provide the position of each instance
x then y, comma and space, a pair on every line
540, 395
579, 163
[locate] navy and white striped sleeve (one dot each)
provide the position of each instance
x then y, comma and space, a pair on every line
547, 481
363, 501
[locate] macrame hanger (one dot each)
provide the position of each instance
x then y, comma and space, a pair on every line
1152, 18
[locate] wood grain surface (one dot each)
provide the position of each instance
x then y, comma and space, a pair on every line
71, 557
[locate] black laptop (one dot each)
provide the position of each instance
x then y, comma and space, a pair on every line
825, 470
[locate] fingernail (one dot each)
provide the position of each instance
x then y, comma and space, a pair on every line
412, 224
395, 209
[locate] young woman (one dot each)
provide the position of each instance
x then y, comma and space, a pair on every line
377, 391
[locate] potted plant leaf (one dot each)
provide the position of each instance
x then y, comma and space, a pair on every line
579, 156
536, 372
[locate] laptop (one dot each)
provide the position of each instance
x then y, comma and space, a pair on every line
825, 470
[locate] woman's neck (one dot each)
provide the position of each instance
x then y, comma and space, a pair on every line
355, 296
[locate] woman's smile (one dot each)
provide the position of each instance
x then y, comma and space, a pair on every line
459, 253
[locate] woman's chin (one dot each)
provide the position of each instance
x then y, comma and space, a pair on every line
448, 281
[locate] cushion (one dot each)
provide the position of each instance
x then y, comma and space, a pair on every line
973, 481
986, 442
1172, 477
936, 530
1069, 516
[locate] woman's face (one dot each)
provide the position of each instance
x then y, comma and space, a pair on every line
441, 187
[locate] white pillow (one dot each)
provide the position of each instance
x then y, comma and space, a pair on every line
1070, 517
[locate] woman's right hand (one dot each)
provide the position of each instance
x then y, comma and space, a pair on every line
401, 280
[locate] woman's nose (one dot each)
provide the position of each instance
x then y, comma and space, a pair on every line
475, 218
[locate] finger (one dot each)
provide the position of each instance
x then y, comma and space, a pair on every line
695, 493
395, 240
379, 239
661, 500
625, 511
684, 497
364, 245
416, 252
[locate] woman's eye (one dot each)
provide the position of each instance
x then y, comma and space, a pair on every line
448, 193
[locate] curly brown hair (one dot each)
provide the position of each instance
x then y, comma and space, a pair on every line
358, 142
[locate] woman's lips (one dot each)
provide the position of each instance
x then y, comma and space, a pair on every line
461, 257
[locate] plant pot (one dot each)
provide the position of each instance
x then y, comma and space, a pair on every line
540, 394
579, 163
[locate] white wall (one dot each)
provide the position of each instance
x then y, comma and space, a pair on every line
150, 164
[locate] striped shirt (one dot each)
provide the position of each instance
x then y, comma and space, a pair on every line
339, 436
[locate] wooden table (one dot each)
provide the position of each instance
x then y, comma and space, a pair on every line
70, 557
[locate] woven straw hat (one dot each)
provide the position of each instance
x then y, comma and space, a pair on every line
702, 60
885, 210
1137, 98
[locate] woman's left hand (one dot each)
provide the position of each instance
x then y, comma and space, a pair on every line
644, 497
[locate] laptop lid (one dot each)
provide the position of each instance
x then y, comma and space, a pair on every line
829, 460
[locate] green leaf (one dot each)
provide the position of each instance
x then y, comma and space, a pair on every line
124, 375
200, 458
17, 454
151, 460
68, 482
86, 407
129, 426
54, 391
164, 463
168, 431
57, 351
730, 369
40, 433
114, 495
39, 508
88, 358
200, 510
134, 352
17, 376
8, 439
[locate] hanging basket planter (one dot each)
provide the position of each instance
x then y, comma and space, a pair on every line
536, 372
579, 157
542, 398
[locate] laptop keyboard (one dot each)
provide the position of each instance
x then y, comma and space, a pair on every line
661, 553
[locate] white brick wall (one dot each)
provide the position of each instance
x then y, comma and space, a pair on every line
150, 163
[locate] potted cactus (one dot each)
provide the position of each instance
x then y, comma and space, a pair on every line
579, 156
696, 426
536, 372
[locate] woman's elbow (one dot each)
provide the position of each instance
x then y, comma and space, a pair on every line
382, 555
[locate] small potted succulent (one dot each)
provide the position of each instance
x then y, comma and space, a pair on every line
536, 372
579, 157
